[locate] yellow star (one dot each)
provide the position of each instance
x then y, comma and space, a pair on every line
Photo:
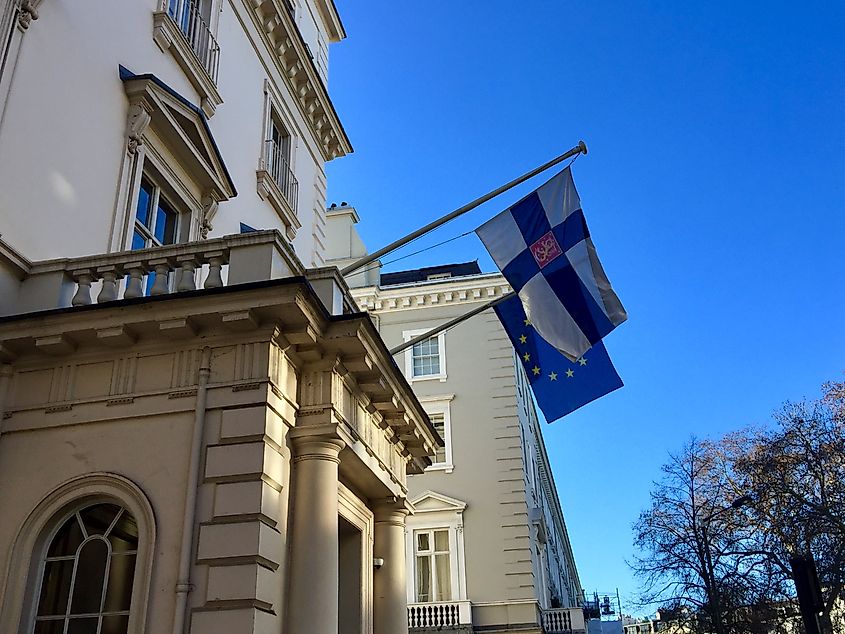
523, 339
526, 356
582, 361
553, 376
535, 370
569, 374
527, 321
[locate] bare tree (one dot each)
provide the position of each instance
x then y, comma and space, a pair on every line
796, 473
695, 549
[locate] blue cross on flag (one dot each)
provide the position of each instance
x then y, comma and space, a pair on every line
543, 248
560, 386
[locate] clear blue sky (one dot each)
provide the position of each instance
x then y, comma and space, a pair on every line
714, 189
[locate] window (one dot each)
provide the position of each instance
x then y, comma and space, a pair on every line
438, 421
172, 177
432, 567
187, 29
87, 574
426, 359
439, 412
277, 156
156, 224
434, 550
277, 183
156, 221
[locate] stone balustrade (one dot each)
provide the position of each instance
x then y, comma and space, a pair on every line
175, 268
153, 263
439, 615
563, 620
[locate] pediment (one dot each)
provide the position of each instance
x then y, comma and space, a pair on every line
431, 501
183, 128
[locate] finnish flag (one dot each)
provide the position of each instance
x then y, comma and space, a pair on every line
543, 248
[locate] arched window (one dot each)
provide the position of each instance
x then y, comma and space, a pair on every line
87, 573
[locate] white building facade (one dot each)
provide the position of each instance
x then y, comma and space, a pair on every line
200, 433
487, 546
187, 106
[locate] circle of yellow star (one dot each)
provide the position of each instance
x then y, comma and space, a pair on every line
526, 356
523, 339
553, 376
582, 361
535, 370
569, 374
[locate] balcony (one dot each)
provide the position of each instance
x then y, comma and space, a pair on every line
186, 15
444, 615
563, 621
180, 27
177, 268
278, 185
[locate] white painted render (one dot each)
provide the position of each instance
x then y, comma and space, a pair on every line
63, 131
512, 531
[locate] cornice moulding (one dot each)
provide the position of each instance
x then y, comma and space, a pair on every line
464, 290
294, 62
331, 17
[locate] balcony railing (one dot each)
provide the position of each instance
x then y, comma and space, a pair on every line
563, 620
225, 261
442, 614
187, 16
277, 165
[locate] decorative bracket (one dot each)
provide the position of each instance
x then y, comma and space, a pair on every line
136, 124
27, 15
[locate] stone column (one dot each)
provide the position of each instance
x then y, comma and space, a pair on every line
390, 610
313, 582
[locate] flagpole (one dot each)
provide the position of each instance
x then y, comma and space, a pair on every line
453, 322
581, 148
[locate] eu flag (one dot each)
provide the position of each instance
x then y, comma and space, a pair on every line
560, 386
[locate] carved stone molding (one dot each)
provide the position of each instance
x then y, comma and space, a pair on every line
209, 210
27, 14
283, 38
136, 124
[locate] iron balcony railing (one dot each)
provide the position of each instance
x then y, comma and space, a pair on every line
277, 165
188, 17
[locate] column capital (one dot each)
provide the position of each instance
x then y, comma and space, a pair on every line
391, 510
321, 442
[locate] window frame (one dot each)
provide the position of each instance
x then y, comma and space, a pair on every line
436, 511
59, 522
150, 165
431, 554
148, 231
36, 531
441, 405
407, 335
268, 189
